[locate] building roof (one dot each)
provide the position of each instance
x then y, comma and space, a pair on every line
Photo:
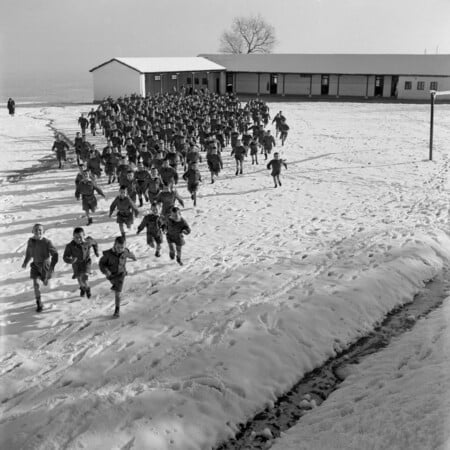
166, 64
356, 64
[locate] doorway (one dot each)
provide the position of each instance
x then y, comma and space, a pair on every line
379, 84
394, 84
273, 88
229, 82
325, 85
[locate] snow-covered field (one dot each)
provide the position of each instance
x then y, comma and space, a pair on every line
275, 282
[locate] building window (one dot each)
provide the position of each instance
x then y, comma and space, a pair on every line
420, 85
157, 77
434, 85
189, 80
196, 80
408, 85
174, 77
205, 81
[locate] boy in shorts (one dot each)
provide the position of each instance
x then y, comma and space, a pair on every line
86, 188
126, 210
177, 227
78, 253
154, 225
44, 258
113, 265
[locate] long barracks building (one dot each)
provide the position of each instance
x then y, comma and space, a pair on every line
403, 77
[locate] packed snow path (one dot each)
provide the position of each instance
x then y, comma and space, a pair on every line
275, 282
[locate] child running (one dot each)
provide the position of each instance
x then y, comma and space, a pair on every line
78, 253
215, 164
177, 227
275, 164
86, 188
113, 265
44, 258
126, 209
154, 225
239, 152
193, 178
60, 147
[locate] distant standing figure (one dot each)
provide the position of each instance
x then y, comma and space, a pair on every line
11, 106
60, 147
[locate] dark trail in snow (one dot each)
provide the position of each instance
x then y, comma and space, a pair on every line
316, 386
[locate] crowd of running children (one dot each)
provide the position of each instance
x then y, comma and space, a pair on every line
148, 141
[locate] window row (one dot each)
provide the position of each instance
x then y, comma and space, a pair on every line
421, 85
188, 79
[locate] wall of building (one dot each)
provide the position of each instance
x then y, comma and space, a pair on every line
294, 84
352, 85
246, 83
115, 79
443, 84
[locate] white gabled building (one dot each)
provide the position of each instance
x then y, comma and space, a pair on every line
148, 76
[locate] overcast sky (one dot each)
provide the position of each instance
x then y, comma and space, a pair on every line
68, 37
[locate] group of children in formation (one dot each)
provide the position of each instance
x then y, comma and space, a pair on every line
148, 140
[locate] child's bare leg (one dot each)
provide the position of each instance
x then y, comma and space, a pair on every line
122, 230
178, 247
37, 295
171, 250
278, 178
117, 303
275, 180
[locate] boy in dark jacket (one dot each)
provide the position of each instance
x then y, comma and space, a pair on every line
275, 165
168, 174
142, 177
193, 178
239, 152
167, 198
86, 188
60, 147
214, 161
113, 265
154, 185
154, 225
78, 253
126, 209
177, 227
268, 143
44, 258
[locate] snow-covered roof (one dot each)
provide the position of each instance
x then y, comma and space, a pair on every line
166, 64
361, 64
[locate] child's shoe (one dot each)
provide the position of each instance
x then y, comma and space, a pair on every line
172, 255
39, 305
179, 261
88, 292
82, 292
116, 312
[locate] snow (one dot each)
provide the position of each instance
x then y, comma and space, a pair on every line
275, 282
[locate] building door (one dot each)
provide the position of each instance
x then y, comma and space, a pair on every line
273, 83
394, 83
325, 85
230, 87
379, 84
217, 85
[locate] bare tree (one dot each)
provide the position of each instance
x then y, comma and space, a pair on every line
248, 35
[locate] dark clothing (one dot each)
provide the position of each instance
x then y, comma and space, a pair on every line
168, 198
125, 209
239, 152
193, 178
276, 164
61, 147
44, 256
11, 106
115, 264
154, 225
268, 142
82, 252
168, 175
176, 230
86, 189
215, 163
